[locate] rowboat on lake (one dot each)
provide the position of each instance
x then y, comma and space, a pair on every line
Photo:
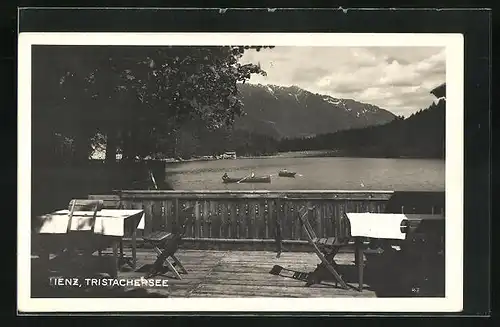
286, 173
248, 179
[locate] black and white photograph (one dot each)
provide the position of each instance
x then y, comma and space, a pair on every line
263, 171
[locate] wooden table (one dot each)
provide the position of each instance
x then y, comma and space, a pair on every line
372, 225
388, 226
113, 224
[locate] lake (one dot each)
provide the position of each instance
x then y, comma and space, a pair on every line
316, 173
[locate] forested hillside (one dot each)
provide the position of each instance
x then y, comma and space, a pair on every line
420, 135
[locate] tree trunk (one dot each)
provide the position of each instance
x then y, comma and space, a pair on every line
129, 152
111, 146
83, 149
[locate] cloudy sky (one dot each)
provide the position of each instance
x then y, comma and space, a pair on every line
394, 78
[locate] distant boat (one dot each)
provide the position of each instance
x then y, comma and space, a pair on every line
249, 179
286, 173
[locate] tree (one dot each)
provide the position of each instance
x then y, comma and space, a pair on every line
138, 97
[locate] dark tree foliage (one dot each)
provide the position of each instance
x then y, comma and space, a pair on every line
135, 99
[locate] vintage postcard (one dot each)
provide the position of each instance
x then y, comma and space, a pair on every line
177, 172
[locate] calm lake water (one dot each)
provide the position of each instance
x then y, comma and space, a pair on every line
316, 173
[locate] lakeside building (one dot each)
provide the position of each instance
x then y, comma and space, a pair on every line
229, 155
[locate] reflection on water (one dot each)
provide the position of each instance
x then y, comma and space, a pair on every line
317, 173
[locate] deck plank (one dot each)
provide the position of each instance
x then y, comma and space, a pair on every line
276, 291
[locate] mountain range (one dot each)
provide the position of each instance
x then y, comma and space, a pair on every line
289, 112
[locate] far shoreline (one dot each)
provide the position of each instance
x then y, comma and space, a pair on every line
306, 154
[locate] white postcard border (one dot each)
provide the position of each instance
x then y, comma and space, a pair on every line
453, 300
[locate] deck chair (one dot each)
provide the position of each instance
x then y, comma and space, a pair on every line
166, 244
325, 249
83, 241
109, 202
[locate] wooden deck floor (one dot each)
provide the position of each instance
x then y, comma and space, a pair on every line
217, 274
246, 274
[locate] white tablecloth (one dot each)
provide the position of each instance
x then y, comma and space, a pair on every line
112, 222
379, 225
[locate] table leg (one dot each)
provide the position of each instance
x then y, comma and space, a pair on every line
358, 255
134, 249
121, 250
116, 261
45, 259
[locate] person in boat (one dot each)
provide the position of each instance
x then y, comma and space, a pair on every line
225, 176
253, 175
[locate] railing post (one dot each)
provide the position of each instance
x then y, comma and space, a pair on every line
266, 218
319, 223
176, 203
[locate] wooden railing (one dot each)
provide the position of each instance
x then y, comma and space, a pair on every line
251, 215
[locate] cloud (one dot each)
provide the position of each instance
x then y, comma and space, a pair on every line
398, 79
308, 74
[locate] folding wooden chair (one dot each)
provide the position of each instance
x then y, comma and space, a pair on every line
82, 240
166, 244
325, 249
109, 202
